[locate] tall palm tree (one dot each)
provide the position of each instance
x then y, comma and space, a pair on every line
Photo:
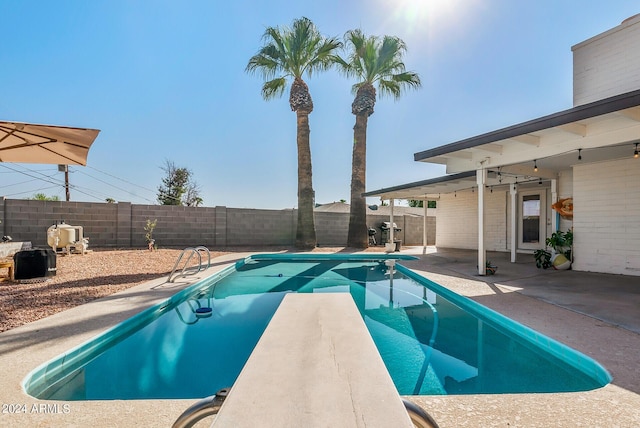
289, 53
372, 61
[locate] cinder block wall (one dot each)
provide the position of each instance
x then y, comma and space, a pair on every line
260, 227
27, 220
176, 226
122, 225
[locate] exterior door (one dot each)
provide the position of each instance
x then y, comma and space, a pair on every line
531, 216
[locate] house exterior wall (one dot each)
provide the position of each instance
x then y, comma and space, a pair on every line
458, 220
606, 217
607, 64
565, 190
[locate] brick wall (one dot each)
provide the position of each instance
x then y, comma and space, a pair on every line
565, 190
607, 64
122, 225
458, 220
606, 199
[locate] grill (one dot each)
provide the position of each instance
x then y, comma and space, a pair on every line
385, 227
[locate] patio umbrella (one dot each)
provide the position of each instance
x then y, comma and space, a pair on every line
45, 144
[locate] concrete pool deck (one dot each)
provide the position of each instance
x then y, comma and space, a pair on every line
596, 314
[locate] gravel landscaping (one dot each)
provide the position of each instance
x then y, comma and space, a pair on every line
80, 279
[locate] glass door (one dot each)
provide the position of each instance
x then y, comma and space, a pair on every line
531, 232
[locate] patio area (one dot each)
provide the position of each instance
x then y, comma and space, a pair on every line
595, 314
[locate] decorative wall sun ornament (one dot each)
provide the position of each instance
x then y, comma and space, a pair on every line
564, 207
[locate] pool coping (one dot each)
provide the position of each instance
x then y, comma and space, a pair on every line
24, 348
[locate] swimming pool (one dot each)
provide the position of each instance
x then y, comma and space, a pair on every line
432, 340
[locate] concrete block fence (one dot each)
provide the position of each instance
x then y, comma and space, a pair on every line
121, 225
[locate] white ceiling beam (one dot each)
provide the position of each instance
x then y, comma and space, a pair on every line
491, 148
574, 128
529, 139
466, 155
632, 113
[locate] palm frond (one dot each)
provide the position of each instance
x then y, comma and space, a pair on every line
274, 88
375, 60
292, 52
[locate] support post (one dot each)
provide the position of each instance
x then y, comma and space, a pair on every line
554, 199
513, 192
481, 178
424, 223
391, 231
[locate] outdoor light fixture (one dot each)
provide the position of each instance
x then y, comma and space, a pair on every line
635, 152
579, 154
535, 165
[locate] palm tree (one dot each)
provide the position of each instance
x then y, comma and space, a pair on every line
290, 53
372, 61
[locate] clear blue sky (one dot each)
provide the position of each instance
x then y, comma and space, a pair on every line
165, 80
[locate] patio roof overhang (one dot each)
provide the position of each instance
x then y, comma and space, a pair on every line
427, 189
602, 130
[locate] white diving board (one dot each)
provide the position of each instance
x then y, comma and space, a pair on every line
315, 366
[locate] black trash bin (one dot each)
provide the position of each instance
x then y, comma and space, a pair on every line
36, 263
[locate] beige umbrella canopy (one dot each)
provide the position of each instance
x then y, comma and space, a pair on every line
45, 144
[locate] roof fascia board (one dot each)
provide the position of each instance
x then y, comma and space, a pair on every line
565, 117
432, 181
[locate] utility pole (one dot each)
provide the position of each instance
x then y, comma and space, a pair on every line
65, 168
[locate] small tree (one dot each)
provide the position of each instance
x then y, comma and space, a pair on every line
177, 187
43, 197
419, 204
192, 195
149, 227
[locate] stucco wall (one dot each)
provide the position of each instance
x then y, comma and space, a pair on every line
122, 225
606, 223
607, 64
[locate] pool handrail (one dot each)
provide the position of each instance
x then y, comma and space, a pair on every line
186, 270
206, 407
419, 417
211, 405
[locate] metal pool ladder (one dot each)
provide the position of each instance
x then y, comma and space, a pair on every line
211, 406
186, 269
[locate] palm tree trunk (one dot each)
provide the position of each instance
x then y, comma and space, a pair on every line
306, 231
358, 236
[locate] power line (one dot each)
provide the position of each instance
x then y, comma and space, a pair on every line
21, 182
121, 179
33, 192
37, 175
46, 178
109, 184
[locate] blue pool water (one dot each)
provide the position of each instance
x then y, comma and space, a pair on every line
432, 340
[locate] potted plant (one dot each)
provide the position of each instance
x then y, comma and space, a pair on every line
490, 269
560, 255
543, 258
